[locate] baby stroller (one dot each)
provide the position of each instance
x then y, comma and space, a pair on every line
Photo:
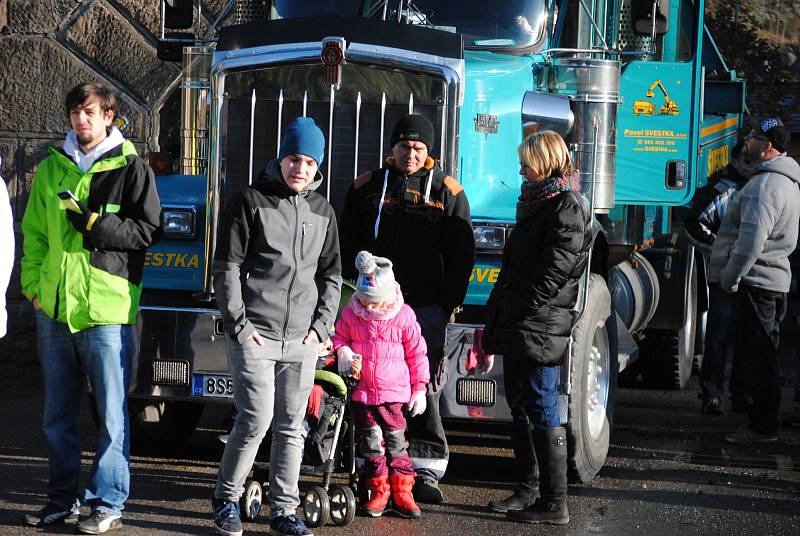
329, 449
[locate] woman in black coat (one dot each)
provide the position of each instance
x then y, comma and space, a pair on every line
530, 316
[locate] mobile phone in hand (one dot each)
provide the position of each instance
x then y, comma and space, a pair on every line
73, 202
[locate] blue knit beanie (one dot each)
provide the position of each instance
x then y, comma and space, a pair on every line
303, 136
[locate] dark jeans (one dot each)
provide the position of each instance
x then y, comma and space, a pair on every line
532, 393
759, 314
719, 348
427, 442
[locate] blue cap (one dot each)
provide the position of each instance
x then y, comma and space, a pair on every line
303, 136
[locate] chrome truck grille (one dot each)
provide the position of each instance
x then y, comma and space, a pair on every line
260, 86
258, 103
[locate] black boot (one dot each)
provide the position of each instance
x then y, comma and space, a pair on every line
551, 506
527, 489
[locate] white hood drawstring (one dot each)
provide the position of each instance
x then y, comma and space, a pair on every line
427, 197
428, 187
380, 205
85, 161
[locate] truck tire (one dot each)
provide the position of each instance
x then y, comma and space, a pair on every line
594, 367
668, 355
162, 425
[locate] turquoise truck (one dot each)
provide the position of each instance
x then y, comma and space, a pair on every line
637, 87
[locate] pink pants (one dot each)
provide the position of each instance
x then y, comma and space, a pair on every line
381, 432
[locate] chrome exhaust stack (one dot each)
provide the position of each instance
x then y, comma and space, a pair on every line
592, 86
195, 102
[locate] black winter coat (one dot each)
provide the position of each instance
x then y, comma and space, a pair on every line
430, 243
530, 309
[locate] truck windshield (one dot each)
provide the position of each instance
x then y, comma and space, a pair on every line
497, 24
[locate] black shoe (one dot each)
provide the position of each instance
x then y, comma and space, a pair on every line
549, 513
52, 514
711, 406
426, 490
517, 501
100, 522
227, 519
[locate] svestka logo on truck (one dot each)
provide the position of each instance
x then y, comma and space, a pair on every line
172, 260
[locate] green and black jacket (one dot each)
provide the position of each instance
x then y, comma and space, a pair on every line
93, 278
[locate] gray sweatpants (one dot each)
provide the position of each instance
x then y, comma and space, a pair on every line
269, 381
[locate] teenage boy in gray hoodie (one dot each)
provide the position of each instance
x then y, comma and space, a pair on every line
751, 257
277, 278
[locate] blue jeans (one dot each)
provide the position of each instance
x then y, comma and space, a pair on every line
532, 393
720, 343
103, 354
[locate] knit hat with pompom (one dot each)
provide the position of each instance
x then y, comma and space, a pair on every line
375, 281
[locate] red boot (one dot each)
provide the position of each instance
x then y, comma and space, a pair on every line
379, 493
402, 497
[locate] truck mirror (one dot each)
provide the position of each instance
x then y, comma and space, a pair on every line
178, 14
642, 15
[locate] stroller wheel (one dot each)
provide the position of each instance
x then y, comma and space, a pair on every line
343, 505
316, 506
253, 497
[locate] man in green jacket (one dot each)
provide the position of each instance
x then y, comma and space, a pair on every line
93, 211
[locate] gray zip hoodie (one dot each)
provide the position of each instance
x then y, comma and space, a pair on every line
759, 230
277, 267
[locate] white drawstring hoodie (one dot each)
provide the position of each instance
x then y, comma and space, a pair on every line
85, 161
6, 251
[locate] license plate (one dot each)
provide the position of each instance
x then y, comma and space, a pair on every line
205, 385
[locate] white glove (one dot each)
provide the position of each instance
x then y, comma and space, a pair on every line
417, 404
344, 361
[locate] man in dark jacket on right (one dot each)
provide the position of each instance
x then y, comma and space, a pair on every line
751, 257
410, 212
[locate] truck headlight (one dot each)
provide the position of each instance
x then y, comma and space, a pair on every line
491, 237
178, 222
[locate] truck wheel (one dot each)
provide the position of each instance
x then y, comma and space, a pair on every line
669, 354
162, 425
594, 368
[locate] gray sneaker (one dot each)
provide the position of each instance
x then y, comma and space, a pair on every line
100, 522
52, 514
746, 436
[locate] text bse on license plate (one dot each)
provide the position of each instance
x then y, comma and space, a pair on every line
206, 385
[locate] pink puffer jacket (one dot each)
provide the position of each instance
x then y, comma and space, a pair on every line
394, 360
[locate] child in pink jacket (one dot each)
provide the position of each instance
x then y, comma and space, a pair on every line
380, 327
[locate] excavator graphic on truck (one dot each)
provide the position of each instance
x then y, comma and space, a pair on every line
647, 107
485, 74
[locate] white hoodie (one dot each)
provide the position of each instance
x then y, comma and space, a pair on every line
85, 161
6, 251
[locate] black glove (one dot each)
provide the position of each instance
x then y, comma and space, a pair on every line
81, 221
78, 220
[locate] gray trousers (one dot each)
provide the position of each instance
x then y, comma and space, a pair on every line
271, 384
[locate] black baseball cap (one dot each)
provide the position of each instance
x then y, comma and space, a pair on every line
772, 130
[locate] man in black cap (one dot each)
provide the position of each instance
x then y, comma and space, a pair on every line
410, 212
750, 257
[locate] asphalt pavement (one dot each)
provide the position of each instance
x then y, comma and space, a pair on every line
668, 472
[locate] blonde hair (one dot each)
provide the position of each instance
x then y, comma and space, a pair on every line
546, 154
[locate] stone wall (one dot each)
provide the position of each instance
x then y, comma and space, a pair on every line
49, 46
